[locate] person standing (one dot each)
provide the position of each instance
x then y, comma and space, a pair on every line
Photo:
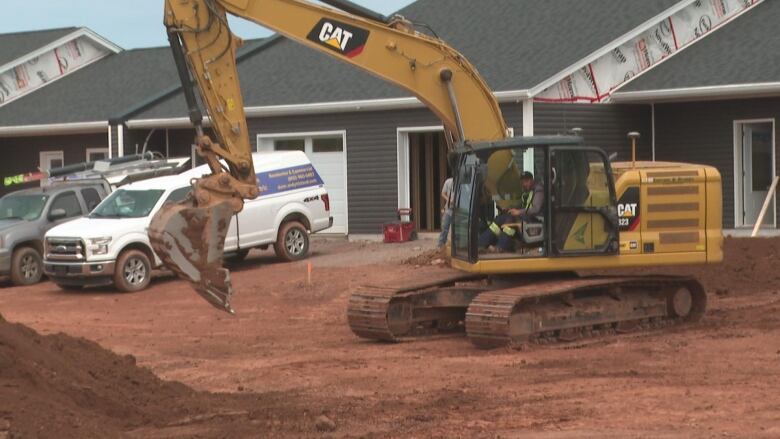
447, 197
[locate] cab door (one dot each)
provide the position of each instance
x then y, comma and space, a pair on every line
464, 210
584, 207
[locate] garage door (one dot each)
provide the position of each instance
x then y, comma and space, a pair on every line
327, 153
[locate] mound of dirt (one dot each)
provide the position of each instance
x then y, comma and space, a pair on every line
65, 387
749, 266
428, 257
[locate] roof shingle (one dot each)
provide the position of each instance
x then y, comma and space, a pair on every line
515, 44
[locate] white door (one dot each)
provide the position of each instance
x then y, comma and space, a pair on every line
327, 156
327, 152
52, 160
757, 170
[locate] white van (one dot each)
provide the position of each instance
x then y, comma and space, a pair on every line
111, 244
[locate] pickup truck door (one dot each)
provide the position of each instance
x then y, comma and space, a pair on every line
256, 221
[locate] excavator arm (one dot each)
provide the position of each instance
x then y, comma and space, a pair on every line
189, 237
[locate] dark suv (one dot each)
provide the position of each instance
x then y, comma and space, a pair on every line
26, 215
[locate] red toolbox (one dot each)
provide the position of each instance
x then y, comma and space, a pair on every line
400, 231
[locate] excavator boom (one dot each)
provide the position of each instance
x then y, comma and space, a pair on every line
189, 236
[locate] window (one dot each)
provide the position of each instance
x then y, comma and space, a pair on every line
91, 197
584, 203
95, 154
52, 160
67, 202
309, 143
290, 145
128, 204
179, 194
328, 144
27, 207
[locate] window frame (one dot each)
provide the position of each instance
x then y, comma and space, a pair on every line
100, 150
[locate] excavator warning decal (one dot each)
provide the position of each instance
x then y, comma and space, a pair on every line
339, 37
628, 210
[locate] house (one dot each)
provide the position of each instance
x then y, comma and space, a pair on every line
553, 65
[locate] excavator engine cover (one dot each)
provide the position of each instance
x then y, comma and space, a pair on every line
190, 240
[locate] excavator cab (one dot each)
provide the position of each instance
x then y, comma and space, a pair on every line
578, 215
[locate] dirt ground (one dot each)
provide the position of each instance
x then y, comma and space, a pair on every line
288, 358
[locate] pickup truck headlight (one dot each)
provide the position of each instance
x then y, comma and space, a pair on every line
99, 246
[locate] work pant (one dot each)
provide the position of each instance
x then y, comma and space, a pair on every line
446, 222
499, 236
502, 237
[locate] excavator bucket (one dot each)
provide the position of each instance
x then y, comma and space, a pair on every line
190, 240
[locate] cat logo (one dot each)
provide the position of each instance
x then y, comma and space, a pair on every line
628, 210
339, 37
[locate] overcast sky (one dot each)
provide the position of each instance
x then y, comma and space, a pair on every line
128, 23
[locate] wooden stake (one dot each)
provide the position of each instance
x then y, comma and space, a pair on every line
308, 274
767, 202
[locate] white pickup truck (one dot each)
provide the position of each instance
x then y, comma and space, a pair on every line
111, 244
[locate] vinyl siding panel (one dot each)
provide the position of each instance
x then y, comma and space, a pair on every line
603, 125
22, 154
703, 132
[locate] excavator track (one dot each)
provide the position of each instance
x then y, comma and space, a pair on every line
431, 306
555, 311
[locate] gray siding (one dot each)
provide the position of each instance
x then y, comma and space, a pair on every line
703, 132
22, 154
372, 163
604, 125
372, 139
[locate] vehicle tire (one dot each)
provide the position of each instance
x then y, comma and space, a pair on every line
133, 271
237, 257
70, 287
292, 244
26, 266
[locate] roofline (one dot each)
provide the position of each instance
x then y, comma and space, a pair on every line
515, 96
698, 93
55, 128
80, 32
177, 87
603, 50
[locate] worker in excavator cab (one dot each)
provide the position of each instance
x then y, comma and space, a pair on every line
503, 233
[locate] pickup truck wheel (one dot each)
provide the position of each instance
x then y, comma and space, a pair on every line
26, 266
133, 271
292, 243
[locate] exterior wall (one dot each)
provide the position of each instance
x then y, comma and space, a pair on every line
603, 125
703, 132
372, 144
22, 154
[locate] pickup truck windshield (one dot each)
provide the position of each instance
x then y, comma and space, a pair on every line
128, 204
23, 207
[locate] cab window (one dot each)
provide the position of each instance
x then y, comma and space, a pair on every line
512, 206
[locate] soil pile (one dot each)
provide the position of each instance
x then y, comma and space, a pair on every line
65, 387
428, 257
749, 266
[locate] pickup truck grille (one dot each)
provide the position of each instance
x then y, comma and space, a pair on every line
64, 249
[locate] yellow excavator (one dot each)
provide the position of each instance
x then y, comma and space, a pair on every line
597, 214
